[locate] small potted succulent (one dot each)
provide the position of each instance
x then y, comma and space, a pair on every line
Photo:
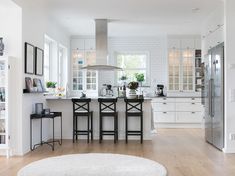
140, 78
51, 87
132, 86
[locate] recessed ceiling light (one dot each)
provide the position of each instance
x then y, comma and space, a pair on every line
195, 10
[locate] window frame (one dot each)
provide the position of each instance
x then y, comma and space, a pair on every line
148, 68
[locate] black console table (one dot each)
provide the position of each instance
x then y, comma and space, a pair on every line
40, 117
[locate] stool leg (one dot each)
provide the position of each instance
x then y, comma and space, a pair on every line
88, 128
141, 123
117, 127
73, 129
92, 126
61, 129
100, 129
126, 128
76, 124
114, 128
53, 135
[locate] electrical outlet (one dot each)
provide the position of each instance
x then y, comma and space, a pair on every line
232, 136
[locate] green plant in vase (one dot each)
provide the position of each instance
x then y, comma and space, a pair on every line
51, 86
140, 78
132, 86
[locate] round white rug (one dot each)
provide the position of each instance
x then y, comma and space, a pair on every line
94, 164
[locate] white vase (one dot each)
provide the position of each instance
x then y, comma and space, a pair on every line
132, 94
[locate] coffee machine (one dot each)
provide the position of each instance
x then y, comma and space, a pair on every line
159, 91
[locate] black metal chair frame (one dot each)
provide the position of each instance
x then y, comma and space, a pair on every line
107, 108
82, 105
40, 117
134, 108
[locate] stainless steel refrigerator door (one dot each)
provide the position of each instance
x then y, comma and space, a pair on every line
207, 97
217, 110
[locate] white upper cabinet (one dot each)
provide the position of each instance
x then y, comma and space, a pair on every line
198, 44
174, 43
83, 44
187, 44
77, 44
89, 44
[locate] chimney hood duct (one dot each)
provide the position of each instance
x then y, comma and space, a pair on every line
101, 32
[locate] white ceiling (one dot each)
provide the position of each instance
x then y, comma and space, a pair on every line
132, 17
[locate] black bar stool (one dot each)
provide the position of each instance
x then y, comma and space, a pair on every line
107, 108
81, 108
134, 108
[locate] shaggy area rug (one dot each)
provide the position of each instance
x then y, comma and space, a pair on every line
94, 164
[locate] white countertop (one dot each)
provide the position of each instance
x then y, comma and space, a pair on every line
92, 98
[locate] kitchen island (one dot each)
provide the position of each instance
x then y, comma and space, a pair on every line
64, 105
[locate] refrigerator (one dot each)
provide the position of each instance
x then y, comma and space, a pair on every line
213, 96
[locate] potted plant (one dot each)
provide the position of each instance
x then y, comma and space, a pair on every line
51, 86
132, 86
140, 78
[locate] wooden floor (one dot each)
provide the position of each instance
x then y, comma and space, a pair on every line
182, 151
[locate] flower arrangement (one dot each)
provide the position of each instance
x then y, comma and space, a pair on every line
133, 85
60, 91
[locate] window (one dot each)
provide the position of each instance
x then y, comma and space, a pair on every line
47, 61
55, 62
134, 62
84, 79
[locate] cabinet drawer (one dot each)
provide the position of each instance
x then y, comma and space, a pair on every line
189, 107
164, 117
189, 117
191, 100
163, 106
164, 99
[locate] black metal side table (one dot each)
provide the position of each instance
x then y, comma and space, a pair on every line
40, 117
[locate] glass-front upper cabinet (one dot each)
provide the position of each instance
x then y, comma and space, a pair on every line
181, 69
83, 80
188, 69
174, 69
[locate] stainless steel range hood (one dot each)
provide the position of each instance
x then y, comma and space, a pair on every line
101, 32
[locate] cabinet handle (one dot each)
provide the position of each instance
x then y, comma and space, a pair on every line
164, 98
164, 103
193, 98
193, 103
193, 112
164, 112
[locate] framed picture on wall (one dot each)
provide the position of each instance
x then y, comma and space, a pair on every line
29, 58
39, 59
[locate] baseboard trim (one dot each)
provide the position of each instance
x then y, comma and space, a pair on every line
228, 150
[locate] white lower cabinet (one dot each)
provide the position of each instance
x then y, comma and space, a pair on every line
177, 112
189, 117
165, 117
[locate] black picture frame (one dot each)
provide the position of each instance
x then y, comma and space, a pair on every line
29, 58
39, 61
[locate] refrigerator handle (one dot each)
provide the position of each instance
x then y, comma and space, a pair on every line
212, 97
209, 97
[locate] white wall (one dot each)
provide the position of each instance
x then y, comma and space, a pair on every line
35, 25
11, 31
229, 74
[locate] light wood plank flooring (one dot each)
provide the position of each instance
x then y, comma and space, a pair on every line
183, 152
